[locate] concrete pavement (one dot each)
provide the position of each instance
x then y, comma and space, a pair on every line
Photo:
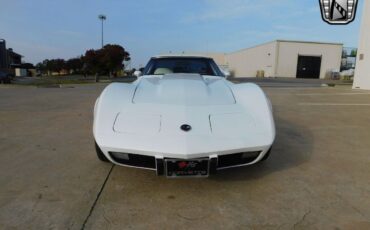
318, 176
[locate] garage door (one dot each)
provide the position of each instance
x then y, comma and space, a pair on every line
309, 67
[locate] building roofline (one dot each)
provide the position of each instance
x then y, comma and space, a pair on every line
288, 41
14, 53
252, 47
310, 42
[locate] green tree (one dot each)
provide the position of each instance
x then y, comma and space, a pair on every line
113, 57
41, 68
92, 62
48, 65
74, 64
53, 65
58, 65
107, 60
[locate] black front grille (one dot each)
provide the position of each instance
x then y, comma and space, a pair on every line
236, 159
136, 160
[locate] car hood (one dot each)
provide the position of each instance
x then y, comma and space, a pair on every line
146, 117
183, 89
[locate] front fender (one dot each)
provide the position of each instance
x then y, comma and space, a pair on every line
111, 101
256, 103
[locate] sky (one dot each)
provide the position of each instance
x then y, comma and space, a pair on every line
41, 29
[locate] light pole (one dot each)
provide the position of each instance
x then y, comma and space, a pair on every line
102, 17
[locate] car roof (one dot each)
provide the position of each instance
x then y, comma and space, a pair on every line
180, 56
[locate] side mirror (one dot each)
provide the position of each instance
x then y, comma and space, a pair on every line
226, 73
138, 73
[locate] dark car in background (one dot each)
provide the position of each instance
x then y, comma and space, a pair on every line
5, 78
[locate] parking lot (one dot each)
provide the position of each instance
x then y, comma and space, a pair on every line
318, 176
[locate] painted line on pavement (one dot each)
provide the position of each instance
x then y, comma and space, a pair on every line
329, 94
332, 104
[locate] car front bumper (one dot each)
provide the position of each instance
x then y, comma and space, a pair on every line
216, 162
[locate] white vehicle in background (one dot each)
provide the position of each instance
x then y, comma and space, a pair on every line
182, 118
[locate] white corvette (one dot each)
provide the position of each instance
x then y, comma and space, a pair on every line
182, 118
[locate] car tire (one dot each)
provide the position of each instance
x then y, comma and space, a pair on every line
267, 155
100, 154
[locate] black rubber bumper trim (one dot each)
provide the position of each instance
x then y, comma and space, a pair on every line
160, 166
213, 162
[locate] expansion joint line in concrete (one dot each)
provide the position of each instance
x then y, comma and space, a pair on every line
97, 198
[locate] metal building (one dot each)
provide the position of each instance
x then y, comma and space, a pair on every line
283, 58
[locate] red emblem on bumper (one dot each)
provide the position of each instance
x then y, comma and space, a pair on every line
182, 164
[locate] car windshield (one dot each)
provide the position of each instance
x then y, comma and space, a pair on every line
202, 66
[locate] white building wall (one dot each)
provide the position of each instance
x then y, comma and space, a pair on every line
288, 52
362, 72
277, 59
246, 63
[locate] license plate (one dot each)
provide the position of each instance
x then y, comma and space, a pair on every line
187, 168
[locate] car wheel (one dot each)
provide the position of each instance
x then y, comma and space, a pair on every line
267, 155
100, 154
